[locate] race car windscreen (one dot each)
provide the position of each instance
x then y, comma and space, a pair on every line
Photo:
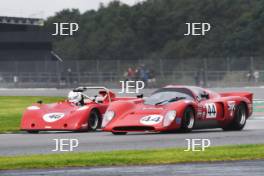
168, 95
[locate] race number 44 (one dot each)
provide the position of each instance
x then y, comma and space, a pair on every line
211, 110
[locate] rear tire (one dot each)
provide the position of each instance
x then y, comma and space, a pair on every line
239, 120
119, 133
94, 120
188, 120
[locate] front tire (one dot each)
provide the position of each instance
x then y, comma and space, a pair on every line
188, 120
239, 120
94, 120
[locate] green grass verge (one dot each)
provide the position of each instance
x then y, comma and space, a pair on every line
11, 110
138, 157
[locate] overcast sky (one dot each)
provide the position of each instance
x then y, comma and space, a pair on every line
45, 8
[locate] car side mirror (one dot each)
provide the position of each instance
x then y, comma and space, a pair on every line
140, 96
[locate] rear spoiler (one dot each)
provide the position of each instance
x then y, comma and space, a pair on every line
247, 95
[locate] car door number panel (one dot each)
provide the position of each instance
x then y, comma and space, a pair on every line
211, 110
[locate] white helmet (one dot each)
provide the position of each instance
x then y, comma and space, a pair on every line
74, 97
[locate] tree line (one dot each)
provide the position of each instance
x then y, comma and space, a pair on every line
155, 29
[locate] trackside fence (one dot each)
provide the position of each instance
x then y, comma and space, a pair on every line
208, 72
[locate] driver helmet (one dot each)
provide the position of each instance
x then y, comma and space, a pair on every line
74, 97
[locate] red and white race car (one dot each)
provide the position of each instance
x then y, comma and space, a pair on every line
180, 108
79, 112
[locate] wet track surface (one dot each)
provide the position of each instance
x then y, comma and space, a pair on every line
237, 168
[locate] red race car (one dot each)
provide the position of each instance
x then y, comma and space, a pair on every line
180, 108
79, 112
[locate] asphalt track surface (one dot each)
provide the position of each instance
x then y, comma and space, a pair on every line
22, 144
237, 168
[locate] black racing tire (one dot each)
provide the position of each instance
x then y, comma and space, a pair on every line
239, 120
188, 120
94, 121
119, 133
33, 131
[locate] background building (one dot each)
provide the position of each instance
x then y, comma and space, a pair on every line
23, 39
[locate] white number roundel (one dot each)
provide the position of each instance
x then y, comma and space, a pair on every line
151, 119
52, 117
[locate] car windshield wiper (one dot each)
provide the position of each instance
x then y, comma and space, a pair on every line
170, 100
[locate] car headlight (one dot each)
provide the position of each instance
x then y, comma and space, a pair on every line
33, 108
169, 117
108, 116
